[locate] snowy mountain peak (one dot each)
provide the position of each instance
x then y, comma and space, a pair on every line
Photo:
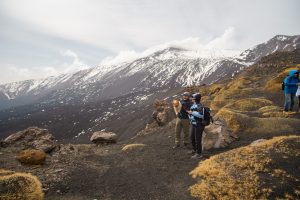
277, 43
174, 52
281, 37
167, 68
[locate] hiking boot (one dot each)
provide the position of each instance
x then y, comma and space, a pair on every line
176, 146
197, 156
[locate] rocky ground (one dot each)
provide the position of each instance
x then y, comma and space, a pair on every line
87, 171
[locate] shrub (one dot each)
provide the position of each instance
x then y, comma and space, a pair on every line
250, 104
130, 147
266, 109
261, 171
278, 114
19, 186
241, 123
32, 157
235, 121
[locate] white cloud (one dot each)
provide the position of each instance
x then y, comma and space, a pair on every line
223, 42
117, 25
99, 23
76, 64
13, 73
128, 28
68, 53
227, 40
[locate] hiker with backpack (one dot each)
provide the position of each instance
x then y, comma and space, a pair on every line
290, 84
199, 118
182, 121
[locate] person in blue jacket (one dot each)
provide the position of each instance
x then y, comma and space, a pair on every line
291, 84
196, 116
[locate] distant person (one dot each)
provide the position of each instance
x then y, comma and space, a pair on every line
182, 120
196, 116
291, 84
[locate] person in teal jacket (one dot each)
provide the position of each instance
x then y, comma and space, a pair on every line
196, 116
291, 84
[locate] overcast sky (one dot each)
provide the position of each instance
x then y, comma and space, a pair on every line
39, 38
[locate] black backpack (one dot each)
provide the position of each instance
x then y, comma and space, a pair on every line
207, 116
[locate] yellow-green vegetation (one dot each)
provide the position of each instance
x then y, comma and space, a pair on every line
219, 101
215, 89
267, 109
19, 186
240, 122
32, 157
258, 171
278, 114
236, 121
239, 83
272, 125
207, 92
130, 147
229, 95
249, 104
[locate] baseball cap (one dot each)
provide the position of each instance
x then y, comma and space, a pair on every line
186, 94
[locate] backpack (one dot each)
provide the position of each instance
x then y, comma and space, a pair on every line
207, 116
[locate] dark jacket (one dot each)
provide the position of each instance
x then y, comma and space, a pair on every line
186, 105
290, 83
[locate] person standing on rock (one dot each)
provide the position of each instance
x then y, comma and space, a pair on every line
196, 116
291, 84
182, 121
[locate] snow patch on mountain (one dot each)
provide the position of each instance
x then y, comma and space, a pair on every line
167, 68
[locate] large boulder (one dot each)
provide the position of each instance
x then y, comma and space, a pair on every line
19, 186
32, 137
31, 157
217, 135
161, 113
101, 137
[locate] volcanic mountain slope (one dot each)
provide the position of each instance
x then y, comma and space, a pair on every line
70, 105
153, 170
171, 67
125, 116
